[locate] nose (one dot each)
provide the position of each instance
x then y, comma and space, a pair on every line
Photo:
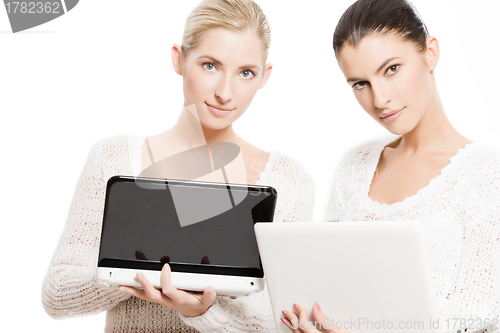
381, 96
224, 91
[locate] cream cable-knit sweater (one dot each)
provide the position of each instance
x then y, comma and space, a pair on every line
460, 215
68, 288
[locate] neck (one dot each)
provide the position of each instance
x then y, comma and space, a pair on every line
434, 132
219, 135
189, 129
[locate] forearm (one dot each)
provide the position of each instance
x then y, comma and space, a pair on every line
69, 290
68, 287
246, 314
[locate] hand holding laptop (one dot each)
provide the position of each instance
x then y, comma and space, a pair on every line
187, 304
299, 322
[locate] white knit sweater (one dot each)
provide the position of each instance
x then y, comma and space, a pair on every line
460, 215
68, 288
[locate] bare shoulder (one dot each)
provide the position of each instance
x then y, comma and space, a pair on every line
146, 158
255, 160
254, 152
251, 152
157, 147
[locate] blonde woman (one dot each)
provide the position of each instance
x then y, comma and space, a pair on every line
223, 63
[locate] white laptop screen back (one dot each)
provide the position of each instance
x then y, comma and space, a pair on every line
364, 275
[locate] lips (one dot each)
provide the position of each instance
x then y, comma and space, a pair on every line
218, 110
392, 115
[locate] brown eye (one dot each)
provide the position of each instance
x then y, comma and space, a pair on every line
393, 69
360, 85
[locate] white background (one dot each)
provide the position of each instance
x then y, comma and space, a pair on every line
104, 69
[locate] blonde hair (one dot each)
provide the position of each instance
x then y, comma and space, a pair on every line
233, 15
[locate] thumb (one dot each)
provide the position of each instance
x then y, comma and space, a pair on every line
320, 317
208, 296
317, 313
326, 323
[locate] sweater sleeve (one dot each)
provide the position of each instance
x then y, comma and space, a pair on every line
346, 178
476, 297
335, 202
68, 287
296, 191
253, 313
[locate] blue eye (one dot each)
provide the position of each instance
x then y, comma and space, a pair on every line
209, 66
247, 74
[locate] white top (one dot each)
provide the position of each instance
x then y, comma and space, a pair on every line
68, 288
460, 216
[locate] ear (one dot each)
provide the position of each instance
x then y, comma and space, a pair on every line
177, 58
268, 68
432, 53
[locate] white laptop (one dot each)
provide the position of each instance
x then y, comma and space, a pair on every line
203, 230
366, 276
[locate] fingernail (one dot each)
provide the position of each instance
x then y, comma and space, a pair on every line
121, 289
283, 321
317, 306
284, 313
295, 306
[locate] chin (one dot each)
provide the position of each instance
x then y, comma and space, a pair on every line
216, 124
398, 133
399, 129
208, 120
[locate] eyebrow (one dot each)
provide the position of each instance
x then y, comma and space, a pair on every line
385, 63
211, 58
254, 67
376, 72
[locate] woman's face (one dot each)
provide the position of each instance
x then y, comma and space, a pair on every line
222, 74
391, 80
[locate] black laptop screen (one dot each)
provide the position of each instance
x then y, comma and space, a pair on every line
195, 227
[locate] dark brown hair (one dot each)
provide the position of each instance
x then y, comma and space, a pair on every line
380, 16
